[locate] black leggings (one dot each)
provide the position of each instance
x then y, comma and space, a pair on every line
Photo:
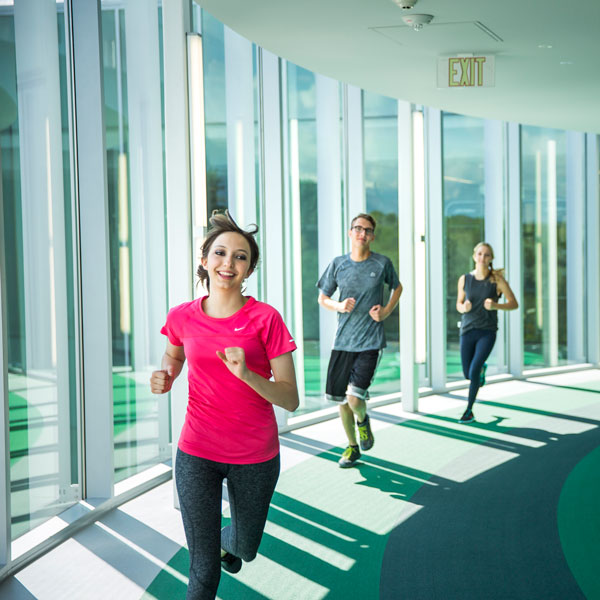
199, 486
475, 346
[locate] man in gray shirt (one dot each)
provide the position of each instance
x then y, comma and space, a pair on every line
360, 277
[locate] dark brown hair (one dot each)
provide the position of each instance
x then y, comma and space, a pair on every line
364, 216
224, 223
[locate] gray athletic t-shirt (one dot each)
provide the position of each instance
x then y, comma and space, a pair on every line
364, 282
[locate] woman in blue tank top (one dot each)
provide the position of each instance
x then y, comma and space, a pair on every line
477, 300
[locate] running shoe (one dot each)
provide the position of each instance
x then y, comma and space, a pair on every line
365, 434
482, 375
231, 563
349, 457
468, 417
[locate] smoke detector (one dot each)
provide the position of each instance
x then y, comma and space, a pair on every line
405, 4
417, 22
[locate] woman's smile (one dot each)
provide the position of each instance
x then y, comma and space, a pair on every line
228, 260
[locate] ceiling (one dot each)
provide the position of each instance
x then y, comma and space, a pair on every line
546, 52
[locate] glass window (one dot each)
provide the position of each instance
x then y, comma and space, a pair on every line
302, 132
380, 131
134, 155
544, 252
464, 211
35, 192
213, 44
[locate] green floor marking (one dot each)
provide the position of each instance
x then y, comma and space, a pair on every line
328, 527
134, 423
579, 523
171, 582
26, 425
318, 544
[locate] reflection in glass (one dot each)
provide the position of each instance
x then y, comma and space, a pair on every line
36, 205
464, 211
213, 39
544, 251
301, 98
134, 156
380, 130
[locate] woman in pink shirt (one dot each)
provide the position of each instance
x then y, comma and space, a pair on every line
239, 355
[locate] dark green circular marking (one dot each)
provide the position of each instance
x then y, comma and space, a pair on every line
579, 523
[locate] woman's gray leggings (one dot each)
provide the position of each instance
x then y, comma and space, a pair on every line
199, 486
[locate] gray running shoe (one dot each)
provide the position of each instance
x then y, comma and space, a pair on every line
365, 434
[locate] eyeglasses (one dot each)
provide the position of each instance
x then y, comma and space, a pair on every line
359, 229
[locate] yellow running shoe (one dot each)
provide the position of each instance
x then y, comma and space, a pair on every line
349, 457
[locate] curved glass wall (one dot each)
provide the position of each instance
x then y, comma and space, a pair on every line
336, 154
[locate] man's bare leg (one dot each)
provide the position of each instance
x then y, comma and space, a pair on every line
352, 453
347, 417
358, 407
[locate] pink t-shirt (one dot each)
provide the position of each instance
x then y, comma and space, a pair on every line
226, 420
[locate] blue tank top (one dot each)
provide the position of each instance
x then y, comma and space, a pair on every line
478, 317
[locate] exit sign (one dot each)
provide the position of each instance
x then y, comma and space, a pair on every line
466, 71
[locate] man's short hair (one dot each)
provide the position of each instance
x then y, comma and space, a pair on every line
364, 216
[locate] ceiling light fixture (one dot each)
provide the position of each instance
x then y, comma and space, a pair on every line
405, 4
417, 22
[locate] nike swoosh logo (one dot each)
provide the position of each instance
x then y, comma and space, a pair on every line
239, 328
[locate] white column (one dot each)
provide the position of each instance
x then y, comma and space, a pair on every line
294, 251
513, 254
551, 329
239, 92
288, 193
145, 181
406, 229
5, 497
272, 222
329, 195
576, 321
495, 207
94, 237
176, 22
197, 137
435, 238
355, 155
592, 249
419, 233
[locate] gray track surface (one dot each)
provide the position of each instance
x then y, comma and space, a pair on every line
494, 536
